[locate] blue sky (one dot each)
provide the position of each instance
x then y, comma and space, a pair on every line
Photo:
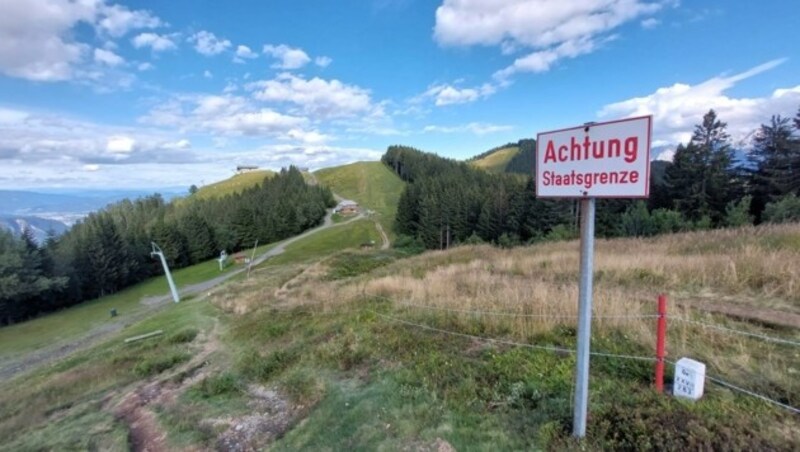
153, 94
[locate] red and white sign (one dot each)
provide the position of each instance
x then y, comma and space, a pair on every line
597, 160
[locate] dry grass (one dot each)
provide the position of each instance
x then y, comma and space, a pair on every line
754, 267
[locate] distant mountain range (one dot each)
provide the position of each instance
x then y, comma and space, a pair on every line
40, 227
57, 210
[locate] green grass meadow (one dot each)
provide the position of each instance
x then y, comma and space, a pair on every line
371, 184
234, 184
324, 243
497, 161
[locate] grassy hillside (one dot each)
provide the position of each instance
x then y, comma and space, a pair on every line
497, 161
235, 184
370, 184
71, 323
373, 351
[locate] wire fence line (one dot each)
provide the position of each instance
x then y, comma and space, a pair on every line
516, 314
735, 331
550, 348
522, 315
733, 387
557, 349
498, 313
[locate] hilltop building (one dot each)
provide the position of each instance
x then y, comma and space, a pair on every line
241, 169
346, 207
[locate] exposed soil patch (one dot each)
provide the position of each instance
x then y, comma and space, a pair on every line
439, 445
144, 432
271, 417
135, 408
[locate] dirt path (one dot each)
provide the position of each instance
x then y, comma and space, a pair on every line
134, 408
269, 416
748, 313
384, 237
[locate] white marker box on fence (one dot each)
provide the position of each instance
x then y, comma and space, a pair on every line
690, 377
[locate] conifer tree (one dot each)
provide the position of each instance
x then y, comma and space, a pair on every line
774, 157
701, 178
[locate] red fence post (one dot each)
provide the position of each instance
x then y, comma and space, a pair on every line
661, 339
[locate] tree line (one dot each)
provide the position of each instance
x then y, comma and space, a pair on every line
110, 249
448, 202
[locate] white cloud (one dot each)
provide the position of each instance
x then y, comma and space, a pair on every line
313, 156
38, 150
145, 66
307, 136
108, 57
120, 145
38, 39
118, 20
543, 60
317, 97
476, 128
208, 44
262, 122
288, 57
159, 43
36, 140
243, 52
553, 29
323, 61
677, 108
666, 156
180, 144
45, 52
208, 74
44, 151
449, 95
226, 115
8, 115
650, 23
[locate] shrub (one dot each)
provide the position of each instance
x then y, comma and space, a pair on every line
183, 336
474, 239
738, 213
785, 210
409, 244
508, 240
152, 365
217, 385
353, 264
636, 221
263, 368
666, 221
561, 232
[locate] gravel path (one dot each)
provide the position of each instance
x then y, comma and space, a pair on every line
384, 237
